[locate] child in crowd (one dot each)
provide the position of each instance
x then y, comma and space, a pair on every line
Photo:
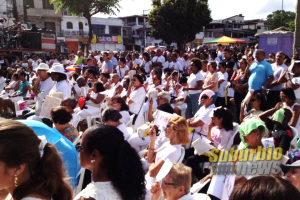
70, 104
220, 129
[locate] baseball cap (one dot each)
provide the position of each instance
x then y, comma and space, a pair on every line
42, 66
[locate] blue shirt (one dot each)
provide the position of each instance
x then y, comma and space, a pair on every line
110, 65
21, 86
259, 74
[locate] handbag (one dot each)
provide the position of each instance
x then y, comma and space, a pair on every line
136, 115
81, 102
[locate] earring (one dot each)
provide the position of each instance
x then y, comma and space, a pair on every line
16, 180
92, 161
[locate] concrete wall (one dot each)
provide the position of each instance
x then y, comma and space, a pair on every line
277, 42
75, 21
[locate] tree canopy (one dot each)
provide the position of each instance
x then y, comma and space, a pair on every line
178, 20
288, 19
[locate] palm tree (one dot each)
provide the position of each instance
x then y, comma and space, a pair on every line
297, 29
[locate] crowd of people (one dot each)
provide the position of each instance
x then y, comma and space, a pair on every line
230, 97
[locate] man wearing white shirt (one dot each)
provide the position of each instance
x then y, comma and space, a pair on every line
279, 69
113, 59
158, 60
175, 65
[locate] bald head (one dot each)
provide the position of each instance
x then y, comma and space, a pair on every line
80, 81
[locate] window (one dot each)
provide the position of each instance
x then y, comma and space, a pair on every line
47, 5
69, 25
115, 30
124, 33
80, 24
30, 3
98, 31
50, 25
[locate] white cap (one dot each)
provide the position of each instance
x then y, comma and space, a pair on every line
42, 66
57, 68
208, 93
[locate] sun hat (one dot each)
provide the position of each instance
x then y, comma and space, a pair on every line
57, 68
42, 66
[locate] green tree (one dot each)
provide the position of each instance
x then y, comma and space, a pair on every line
178, 20
297, 29
288, 19
88, 8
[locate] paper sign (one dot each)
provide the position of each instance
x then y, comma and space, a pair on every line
216, 186
201, 146
164, 170
228, 186
162, 118
266, 142
198, 186
49, 103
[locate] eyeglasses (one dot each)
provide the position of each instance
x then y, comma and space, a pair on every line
282, 96
253, 100
165, 183
204, 97
78, 147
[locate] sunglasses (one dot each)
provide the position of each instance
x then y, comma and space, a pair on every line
204, 97
78, 147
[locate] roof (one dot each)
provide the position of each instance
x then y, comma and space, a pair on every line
280, 30
132, 16
218, 21
240, 15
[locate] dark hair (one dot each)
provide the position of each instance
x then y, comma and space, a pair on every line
262, 99
60, 76
123, 60
106, 75
60, 115
158, 71
227, 117
166, 107
89, 59
142, 70
16, 76
121, 101
129, 55
168, 71
183, 80
99, 87
20, 145
120, 159
289, 92
146, 54
106, 54
111, 114
223, 64
22, 73
70, 101
90, 71
227, 50
139, 78
197, 63
265, 187
213, 64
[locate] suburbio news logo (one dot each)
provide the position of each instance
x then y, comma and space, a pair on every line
258, 161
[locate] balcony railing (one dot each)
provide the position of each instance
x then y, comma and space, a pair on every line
70, 33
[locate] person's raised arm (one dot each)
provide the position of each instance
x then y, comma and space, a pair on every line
264, 116
151, 151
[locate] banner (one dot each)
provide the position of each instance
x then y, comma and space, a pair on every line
109, 39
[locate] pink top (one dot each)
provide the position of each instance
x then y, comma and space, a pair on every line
220, 137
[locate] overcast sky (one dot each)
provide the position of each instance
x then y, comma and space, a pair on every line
220, 9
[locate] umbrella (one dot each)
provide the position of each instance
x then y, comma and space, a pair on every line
150, 48
225, 40
63, 145
72, 68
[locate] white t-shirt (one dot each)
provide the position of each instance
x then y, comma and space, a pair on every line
137, 62
221, 55
203, 115
278, 71
99, 190
123, 129
2, 82
192, 82
70, 62
167, 151
147, 66
125, 116
222, 87
176, 66
121, 71
137, 96
296, 80
220, 137
63, 87
46, 85
167, 64
160, 59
